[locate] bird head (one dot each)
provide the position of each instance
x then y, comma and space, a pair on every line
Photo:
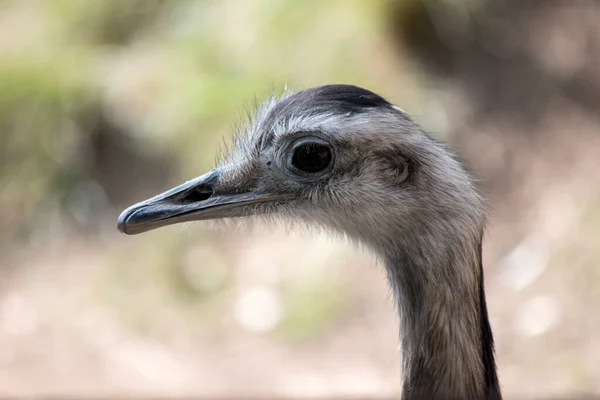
334, 156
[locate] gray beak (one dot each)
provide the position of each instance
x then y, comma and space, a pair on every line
202, 198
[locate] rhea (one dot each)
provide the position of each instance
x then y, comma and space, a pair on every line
346, 159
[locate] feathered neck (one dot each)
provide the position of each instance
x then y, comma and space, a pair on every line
446, 339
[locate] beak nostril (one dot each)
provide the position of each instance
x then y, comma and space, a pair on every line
199, 193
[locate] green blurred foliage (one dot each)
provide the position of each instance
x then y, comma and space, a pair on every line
311, 309
192, 65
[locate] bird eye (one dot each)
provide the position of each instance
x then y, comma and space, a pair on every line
311, 157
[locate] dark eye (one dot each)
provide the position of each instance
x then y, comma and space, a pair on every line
311, 157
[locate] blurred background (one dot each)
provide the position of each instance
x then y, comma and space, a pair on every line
106, 102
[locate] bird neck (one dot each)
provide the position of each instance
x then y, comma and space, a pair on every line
446, 339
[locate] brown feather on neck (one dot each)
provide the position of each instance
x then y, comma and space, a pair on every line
447, 346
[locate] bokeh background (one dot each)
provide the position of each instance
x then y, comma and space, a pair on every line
106, 102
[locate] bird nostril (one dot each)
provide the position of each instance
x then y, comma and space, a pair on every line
200, 193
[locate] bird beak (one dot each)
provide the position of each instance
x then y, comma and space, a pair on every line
202, 198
